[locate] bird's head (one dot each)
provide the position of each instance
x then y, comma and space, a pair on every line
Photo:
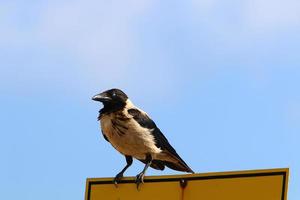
113, 98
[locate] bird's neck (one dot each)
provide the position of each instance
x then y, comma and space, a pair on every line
110, 108
115, 107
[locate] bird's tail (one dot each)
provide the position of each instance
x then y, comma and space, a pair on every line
177, 163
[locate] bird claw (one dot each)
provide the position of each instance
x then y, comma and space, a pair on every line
118, 177
139, 179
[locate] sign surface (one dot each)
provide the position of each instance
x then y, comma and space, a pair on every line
246, 185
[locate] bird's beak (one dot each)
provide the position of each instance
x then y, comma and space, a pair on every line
101, 97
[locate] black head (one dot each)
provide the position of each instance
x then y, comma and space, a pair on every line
112, 99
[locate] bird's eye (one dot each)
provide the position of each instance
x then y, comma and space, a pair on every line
114, 94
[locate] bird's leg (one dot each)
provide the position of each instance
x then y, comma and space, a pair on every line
140, 177
119, 176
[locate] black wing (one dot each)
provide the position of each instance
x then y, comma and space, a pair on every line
160, 140
105, 137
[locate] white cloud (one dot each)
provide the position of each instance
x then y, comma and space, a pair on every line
10, 34
272, 14
260, 15
101, 33
204, 6
105, 37
102, 37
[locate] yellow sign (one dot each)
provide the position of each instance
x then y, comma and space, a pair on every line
241, 185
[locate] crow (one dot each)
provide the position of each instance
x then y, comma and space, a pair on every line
135, 135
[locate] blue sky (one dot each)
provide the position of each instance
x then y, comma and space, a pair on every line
220, 78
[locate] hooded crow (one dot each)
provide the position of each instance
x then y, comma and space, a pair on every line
131, 132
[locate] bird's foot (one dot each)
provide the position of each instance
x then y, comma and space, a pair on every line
139, 179
118, 177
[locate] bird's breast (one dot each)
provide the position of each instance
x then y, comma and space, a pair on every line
128, 137
106, 126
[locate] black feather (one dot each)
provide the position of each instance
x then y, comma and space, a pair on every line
177, 167
141, 118
160, 140
156, 164
105, 138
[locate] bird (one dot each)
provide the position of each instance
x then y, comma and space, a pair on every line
134, 134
